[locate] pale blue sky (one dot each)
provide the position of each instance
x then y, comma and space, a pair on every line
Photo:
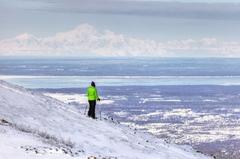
207, 1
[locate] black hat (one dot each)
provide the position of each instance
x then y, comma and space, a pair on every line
93, 84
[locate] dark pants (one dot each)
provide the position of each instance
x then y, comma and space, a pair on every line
91, 111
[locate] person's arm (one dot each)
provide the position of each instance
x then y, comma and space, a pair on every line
88, 93
96, 94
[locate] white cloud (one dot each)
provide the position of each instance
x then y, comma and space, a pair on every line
190, 9
86, 40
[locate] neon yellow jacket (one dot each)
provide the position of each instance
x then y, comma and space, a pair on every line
92, 93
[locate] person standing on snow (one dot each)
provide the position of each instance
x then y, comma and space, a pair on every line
92, 99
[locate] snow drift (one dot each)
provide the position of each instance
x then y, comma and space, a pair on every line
37, 126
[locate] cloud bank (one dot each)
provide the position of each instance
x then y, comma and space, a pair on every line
167, 9
86, 40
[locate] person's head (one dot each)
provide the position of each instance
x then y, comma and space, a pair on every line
93, 84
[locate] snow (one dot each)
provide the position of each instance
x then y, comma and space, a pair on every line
78, 98
144, 100
121, 114
14, 143
180, 113
50, 127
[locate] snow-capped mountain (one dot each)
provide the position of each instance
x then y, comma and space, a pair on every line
36, 126
86, 40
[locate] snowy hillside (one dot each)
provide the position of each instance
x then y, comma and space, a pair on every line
35, 126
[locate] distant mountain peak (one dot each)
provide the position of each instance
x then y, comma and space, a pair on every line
25, 36
86, 40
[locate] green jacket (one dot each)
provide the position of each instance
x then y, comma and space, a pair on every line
92, 93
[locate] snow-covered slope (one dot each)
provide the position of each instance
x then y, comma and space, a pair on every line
36, 126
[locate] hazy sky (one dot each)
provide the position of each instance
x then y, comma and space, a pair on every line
139, 18
145, 19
